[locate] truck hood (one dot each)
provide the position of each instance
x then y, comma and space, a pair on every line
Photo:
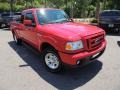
72, 30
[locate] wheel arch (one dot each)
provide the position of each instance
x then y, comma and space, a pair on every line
45, 45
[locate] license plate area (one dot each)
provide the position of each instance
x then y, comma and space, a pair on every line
111, 25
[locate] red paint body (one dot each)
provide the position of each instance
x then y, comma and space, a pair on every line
57, 35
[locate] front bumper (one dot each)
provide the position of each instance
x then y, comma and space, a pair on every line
71, 59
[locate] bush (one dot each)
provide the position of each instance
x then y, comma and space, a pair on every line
94, 21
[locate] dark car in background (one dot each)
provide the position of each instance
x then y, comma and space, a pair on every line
8, 17
1, 21
110, 20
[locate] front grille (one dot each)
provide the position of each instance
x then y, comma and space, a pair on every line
95, 42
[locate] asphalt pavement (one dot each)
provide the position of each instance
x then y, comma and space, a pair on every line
21, 69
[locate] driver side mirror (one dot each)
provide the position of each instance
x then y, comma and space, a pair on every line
29, 23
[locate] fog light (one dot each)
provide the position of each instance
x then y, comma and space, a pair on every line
78, 62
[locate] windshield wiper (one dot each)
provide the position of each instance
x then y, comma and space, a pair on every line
52, 22
64, 20
60, 21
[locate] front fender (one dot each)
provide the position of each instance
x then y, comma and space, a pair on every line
56, 43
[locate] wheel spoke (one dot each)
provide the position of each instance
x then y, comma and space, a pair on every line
51, 61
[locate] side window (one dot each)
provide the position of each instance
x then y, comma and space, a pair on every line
29, 16
17, 19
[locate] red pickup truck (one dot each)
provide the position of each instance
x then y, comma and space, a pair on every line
59, 39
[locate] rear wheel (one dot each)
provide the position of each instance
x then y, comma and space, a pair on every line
17, 40
52, 60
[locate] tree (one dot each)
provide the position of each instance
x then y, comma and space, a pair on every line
11, 6
75, 8
97, 9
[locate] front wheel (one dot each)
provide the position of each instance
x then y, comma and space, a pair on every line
52, 60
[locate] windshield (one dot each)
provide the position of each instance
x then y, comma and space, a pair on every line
110, 13
51, 16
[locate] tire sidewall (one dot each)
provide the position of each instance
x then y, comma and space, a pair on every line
49, 50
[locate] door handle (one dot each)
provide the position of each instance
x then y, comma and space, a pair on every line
28, 29
38, 34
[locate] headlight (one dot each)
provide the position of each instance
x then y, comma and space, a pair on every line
74, 45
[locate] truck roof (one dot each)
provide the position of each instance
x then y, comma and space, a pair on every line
32, 9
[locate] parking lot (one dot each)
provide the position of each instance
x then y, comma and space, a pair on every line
21, 69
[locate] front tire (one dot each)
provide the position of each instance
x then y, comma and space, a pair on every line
52, 60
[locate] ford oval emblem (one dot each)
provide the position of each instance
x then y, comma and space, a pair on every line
97, 40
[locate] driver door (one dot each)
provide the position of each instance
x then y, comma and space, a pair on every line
30, 31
